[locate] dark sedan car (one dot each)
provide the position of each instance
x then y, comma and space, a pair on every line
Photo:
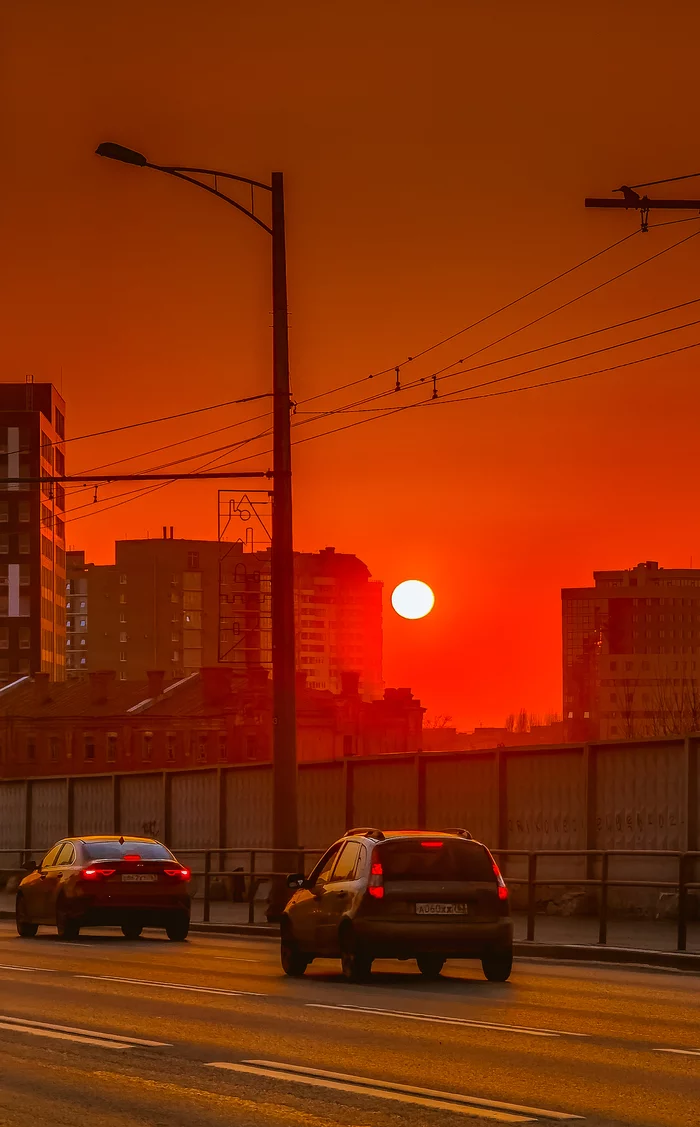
421, 894
130, 882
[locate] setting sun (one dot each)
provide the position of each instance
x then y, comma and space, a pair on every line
412, 599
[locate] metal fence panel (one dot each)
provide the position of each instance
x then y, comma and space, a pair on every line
384, 794
546, 799
49, 812
194, 810
463, 792
249, 806
12, 811
92, 806
321, 805
141, 805
640, 796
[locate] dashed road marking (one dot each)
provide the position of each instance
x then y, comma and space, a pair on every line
71, 1033
681, 1052
440, 1020
173, 986
12, 966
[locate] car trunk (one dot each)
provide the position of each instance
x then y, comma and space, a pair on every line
429, 879
132, 883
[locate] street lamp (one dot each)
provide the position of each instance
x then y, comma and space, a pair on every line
284, 802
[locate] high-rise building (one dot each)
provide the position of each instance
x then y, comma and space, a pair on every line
179, 605
338, 616
32, 532
631, 653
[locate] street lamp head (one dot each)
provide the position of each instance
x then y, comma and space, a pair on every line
118, 152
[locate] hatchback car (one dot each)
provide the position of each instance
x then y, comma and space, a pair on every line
426, 895
130, 882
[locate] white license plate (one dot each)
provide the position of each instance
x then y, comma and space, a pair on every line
139, 876
441, 909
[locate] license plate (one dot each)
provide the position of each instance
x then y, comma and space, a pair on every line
441, 909
139, 876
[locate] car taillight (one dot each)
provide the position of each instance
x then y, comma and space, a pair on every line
431, 844
131, 857
182, 874
502, 890
376, 881
97, 874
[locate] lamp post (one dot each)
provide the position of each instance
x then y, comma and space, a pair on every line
284, 803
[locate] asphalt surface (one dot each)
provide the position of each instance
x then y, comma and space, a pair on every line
116, 1033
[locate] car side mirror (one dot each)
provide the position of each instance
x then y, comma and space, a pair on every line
296, 881
30, 866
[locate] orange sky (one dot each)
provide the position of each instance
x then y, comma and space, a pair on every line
436, 158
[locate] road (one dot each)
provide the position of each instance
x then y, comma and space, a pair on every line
118, 1033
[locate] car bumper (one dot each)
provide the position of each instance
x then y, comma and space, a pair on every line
452, 940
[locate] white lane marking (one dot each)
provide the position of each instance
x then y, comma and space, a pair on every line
238, 959
681, 1052
396, 1086
55, 1035
173, 986
117, 1037
439, 1020
368, 1089
11, 966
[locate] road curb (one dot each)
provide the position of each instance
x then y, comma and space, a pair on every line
594, 953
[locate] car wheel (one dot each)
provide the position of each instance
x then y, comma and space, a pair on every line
25, 929
430, 965
177, 928
355, 964
497, 965
294, 962
131, 931
68, 927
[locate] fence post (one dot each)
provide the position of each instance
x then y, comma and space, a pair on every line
221, 832
349, 792
682, 903
502, 800
116, 805
603, 917
207, 870
531, 894
691, 792
70, 782
167, 808
251, 888
590, 780
420, 791
27, 816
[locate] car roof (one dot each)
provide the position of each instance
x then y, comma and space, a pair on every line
390, 835
112, 837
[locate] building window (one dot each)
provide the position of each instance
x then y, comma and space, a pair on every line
54, 748
4, 543
46, 546
147, 747
176, 656
122, 617
122, 579
122, 655
89, 748
111, 747
170, 747
24, 638
4, 512
122, 598
122, 636
251, 744
122, 674
23, 512
193, 561
4, 637
31, 749
223, 747
202, 749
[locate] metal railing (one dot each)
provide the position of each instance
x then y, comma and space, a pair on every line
252, 876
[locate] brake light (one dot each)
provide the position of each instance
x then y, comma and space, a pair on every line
131, 857
502, 890
376, 881
183, 874
431, 844
97, 874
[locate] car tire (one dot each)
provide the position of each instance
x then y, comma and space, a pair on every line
430, 966
25, 929
355, 963
67, 927
177, 928
497, 965
132, 931
294, 962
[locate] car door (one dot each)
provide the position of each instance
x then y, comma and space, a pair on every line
302, 913
34, 885
57, 875
336, 897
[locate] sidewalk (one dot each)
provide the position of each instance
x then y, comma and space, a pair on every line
646, 935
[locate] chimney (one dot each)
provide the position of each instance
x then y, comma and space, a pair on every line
101, 684
156, 681
216, 685
165, 533
42, 690
171, 531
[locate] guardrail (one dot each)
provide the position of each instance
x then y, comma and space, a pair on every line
252, 876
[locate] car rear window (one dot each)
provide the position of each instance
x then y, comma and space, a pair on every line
409, 859
113, 850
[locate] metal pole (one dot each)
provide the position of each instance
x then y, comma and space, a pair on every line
284, 802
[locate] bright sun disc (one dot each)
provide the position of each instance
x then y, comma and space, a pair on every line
412, 599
